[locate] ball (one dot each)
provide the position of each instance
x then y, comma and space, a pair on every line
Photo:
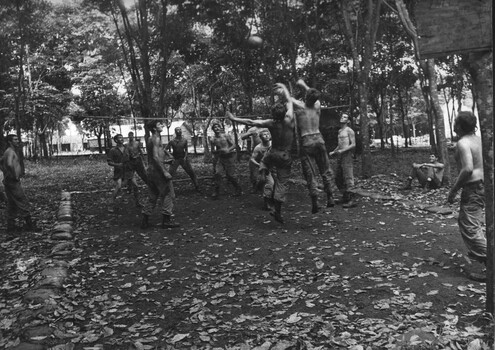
255, 41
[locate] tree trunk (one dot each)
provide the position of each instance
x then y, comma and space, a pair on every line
366, 161
441, 148
43, 146
362, 46
482, 73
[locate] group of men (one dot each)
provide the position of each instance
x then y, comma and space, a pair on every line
127, 160
272, 156
270, 163
292, 119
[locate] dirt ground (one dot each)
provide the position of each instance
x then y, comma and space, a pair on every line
384, 275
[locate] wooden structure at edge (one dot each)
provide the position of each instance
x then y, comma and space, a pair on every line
453, 26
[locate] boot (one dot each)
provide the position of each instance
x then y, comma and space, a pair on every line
238, 189
136, 198
216, 193
196, 186
31, 225
407, 185
427, 187
266, 204
167, 222
277, 214
145, 221
349, 203
330, 201
314, 204
11, 227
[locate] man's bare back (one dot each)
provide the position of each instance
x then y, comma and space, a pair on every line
307, 116
469, 153
308, 120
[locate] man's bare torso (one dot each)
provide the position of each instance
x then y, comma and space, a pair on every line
344, 137
222, 143
14, 165
133, 149
156, 145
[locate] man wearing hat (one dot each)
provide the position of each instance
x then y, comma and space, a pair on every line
343, 151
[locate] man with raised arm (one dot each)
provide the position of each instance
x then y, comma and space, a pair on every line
313, 151
469, 159
160, 186
278, 158
178, 146
345, 167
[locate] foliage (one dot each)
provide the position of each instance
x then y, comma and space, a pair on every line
190, 59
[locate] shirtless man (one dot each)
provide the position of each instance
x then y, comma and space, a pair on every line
160, 184
224, 156
116, 158
277, 158
254, 134
345, 171
134, 158
469, 159
258, 154
178, 146
17, 202
313, 152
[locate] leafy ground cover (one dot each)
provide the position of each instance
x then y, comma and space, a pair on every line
384, 275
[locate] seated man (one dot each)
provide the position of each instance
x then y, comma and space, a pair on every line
429, 175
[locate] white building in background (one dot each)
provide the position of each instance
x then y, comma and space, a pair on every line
72, 141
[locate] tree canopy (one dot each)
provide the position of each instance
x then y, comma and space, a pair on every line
191, 60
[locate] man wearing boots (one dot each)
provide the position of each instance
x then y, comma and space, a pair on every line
345, 167
469, 160
121, 175
429, 175
314, 155
17, 202
178, 146
160, 184
278, 158
224, 157
258, 154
